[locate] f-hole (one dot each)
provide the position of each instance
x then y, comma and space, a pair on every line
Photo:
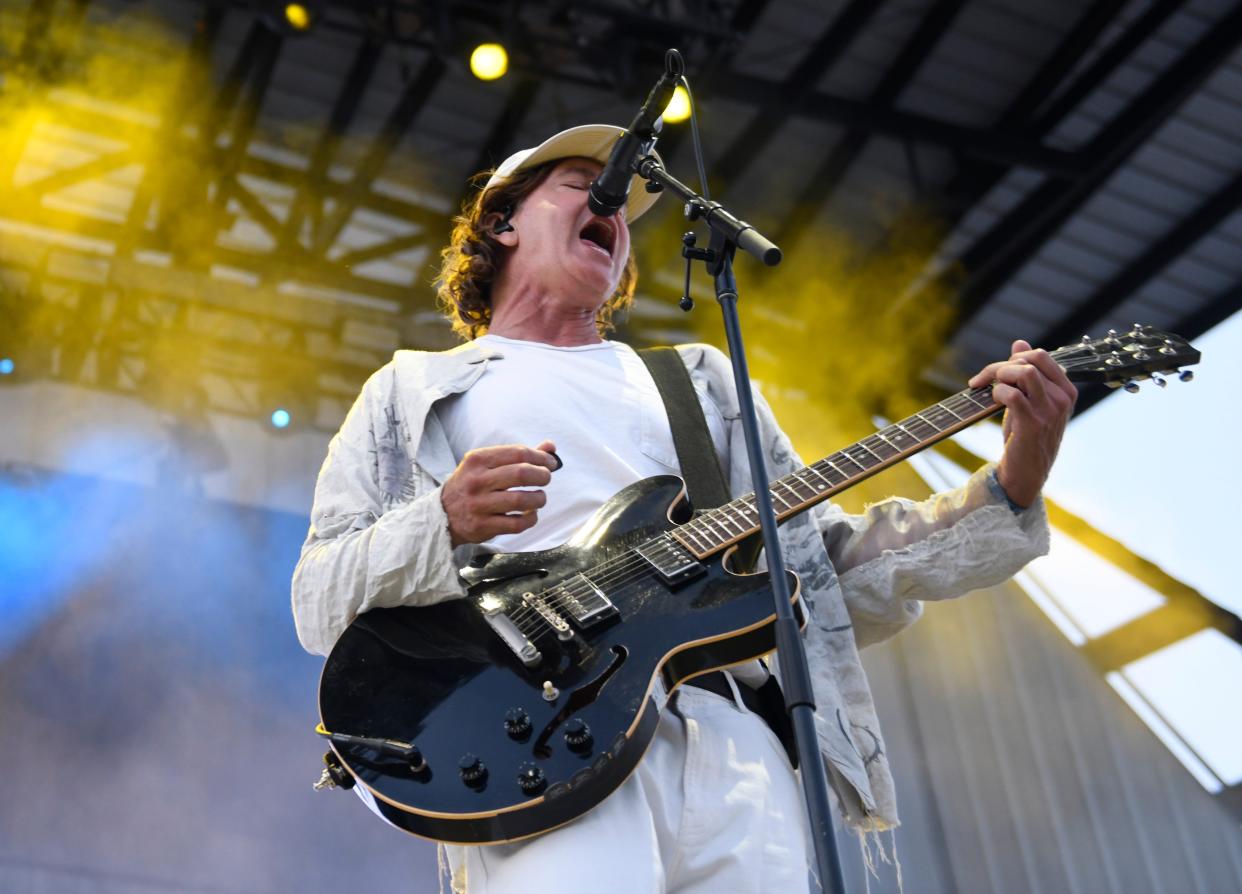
579, 699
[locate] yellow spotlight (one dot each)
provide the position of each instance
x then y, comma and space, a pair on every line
489, 61
298, 16
678, 108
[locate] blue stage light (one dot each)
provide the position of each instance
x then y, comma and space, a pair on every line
7, 366
281, 418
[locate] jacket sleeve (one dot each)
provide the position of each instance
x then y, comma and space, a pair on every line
359, 555
899, 552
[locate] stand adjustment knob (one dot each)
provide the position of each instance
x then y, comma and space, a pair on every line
517, 723
530, 779
473, 771
578, 735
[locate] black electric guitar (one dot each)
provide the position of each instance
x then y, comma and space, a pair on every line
522, 706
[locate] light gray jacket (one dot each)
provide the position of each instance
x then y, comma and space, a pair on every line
379, 538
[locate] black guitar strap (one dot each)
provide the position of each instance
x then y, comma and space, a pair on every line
705, 483
700, 466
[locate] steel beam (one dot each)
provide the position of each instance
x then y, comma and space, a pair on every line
343, 110
1023, 115
823, 182
399, 120
34, 41
976, 142
267, 53
97, 167
316, 274
193, 81
969, 141
384, 249
798, 85
1203, 220
1003, 250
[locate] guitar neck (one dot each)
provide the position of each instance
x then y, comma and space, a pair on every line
719, 528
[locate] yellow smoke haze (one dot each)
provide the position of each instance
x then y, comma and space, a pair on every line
103, 131
832, 343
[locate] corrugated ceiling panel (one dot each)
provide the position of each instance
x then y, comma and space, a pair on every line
866, 59
1130, 78
980, 64
780, 38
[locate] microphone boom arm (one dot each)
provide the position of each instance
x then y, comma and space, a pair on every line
723, 223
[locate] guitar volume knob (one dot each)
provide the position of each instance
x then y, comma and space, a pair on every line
578, 735
472, 770
517, 723
530, 779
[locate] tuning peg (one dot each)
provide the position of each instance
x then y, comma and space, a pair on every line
1086, 339
1159, 381
1185, 375
1131, 386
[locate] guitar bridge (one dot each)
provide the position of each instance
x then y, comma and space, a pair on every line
549, 614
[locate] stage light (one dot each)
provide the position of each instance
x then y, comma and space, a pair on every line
298, 16
281, 418
7, 366
489, 61
678, 108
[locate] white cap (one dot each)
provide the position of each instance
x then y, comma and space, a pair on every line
585, 141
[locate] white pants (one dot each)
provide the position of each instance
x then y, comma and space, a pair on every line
713, 807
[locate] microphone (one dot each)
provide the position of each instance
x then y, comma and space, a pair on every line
611, 188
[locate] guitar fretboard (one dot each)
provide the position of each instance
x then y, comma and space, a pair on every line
796, 492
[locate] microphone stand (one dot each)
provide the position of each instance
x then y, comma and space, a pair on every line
728, 234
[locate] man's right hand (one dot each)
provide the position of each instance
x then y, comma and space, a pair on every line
478, 498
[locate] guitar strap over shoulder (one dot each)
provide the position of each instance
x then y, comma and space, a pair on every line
700, 465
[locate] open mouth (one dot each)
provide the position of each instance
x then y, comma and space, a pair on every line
600, 234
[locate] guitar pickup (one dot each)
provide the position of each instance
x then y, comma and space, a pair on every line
673, 563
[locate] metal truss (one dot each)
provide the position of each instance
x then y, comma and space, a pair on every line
179, 210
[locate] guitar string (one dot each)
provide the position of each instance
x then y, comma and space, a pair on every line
622, 570
611, 574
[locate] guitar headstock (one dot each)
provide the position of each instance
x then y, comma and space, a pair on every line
1122, 360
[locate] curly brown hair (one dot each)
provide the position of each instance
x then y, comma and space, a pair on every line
469, 263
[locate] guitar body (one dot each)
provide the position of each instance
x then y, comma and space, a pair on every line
457, 681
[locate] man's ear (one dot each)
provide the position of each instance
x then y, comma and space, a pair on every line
501, 229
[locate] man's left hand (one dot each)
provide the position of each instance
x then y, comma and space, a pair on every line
1038, 400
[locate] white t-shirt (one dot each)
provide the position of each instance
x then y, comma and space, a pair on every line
597, 403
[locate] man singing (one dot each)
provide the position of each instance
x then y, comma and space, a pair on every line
511, 440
